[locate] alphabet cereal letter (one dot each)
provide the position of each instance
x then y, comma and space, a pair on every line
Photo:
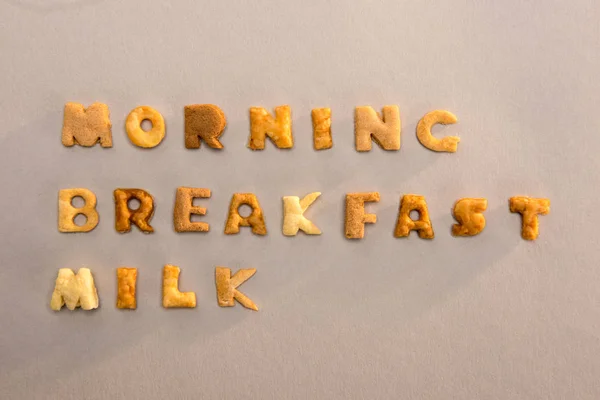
355, 213
184, 208
140, 216
139, 137
406, 224
449, 143
293, 215
67, 213
227, 284
278, 129
172, 297
255, 219
384, 131
86, 126
203, 122
469, 214
126, 282
74, 290
529, 208
321, 120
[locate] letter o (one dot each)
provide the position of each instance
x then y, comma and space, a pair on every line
139, 137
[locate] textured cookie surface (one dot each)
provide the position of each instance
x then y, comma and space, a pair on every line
203, 122
86, 126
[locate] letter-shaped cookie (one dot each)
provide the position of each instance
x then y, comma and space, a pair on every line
255, 219
529, 208
172, 297
293, 215
227, 284
126, 283
203, 122
86, 127
278, 129
74, 290
139, 137
321, 121
468, 212
355, 213
184, 208
67, 213
405, 224
449, 143
141, 216
384, 131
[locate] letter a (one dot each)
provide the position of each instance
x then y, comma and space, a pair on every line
405, 224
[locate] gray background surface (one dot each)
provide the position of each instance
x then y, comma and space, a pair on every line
489, 317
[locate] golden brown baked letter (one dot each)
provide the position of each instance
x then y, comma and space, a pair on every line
126, 283
278, 129
256, 219
321, 121
203, 122
529, 208
468, 212
141, 216
405, 223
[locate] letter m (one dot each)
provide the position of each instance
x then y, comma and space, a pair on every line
74, 290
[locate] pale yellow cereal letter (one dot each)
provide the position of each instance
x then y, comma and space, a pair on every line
67, 212
139, 137
293, 215
74, 290
172, 297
